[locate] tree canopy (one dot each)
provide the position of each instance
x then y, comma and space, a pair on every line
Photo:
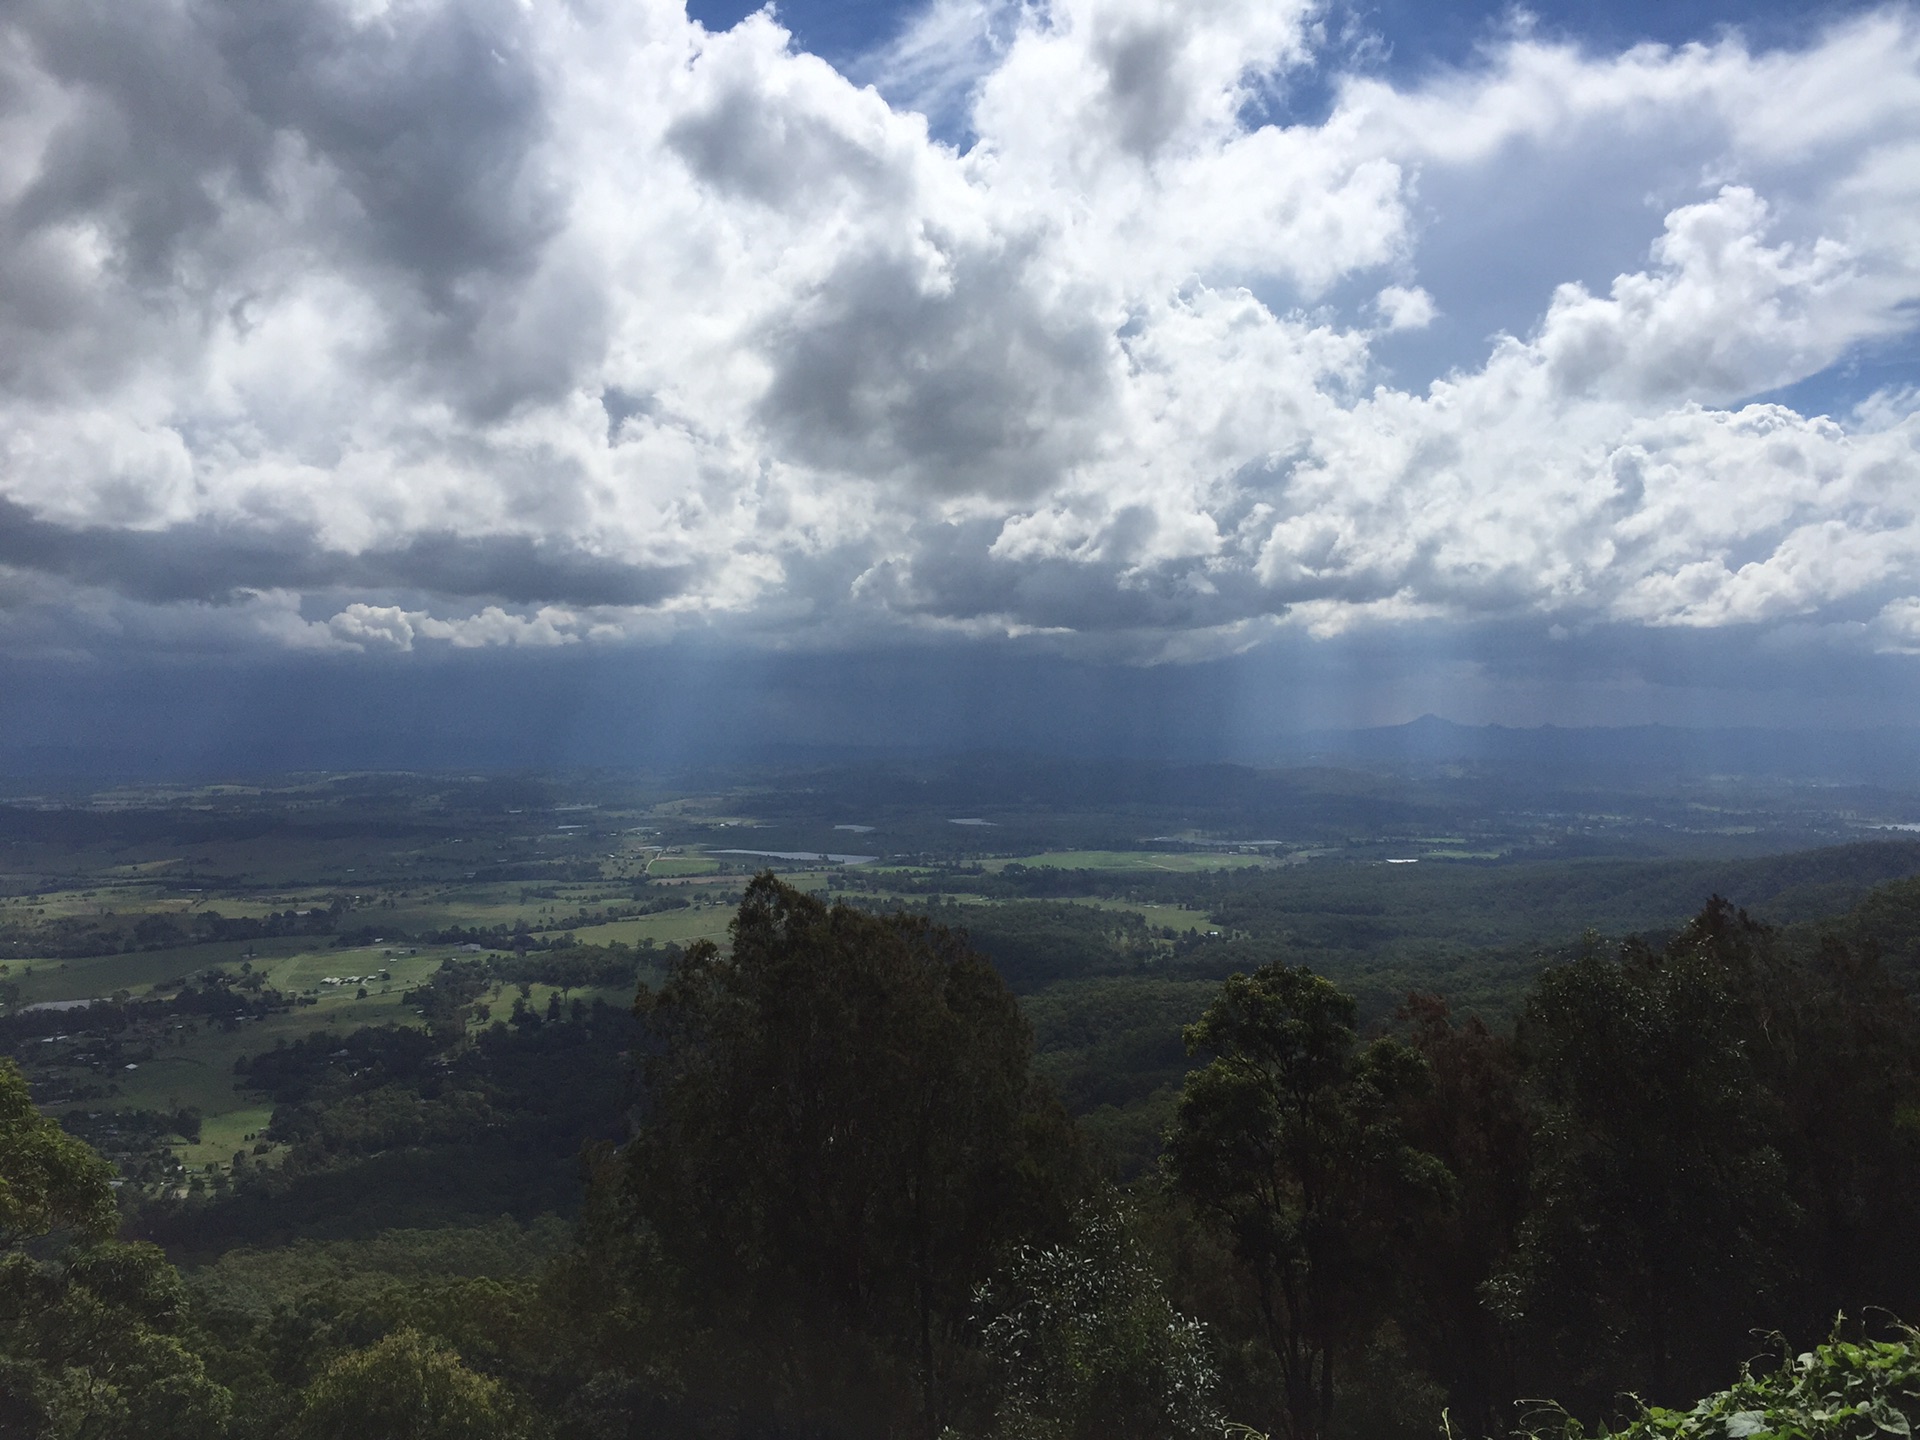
840, 1134
1289, 1138
48, 1179
91, 1342
405, 1387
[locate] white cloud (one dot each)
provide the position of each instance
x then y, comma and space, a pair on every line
388, 628
1898, 624
374, 627
1405, 307
937, 61
580, 323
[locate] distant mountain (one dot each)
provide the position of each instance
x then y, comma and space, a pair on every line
1626, 754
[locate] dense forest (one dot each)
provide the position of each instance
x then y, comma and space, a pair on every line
827, 1182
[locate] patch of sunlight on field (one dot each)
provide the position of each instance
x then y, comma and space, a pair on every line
480, 907
224, 1134
194, 1067
677, 927
304, 972
96, 902
672, 866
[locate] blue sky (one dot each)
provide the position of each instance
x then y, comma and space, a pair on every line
1409, 41
1336, 362
1415, 36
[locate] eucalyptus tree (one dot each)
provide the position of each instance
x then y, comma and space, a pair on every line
1289, 1139
94, 1335
840, 1134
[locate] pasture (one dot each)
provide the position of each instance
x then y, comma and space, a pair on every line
1182, 862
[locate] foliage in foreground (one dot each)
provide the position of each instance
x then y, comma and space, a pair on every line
1087, 1345
848, 1208
92, 1340
841, 1135
1839, 1391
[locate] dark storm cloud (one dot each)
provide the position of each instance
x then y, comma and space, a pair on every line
164, 119
518, 570
967, 383
432, 123
431, 118
206, 562
421, 140
947, 576
312, 311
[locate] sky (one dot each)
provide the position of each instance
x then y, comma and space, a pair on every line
1083, 370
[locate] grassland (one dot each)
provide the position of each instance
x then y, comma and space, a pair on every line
1178, 918
409, 859
1180, 862
193, 1066
674, 866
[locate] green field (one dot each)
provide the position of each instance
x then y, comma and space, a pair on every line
1179, 862
419, 868
372, 1177
673, 866
196, 1069
670, 927
1171, 917
199, 1073
293, 965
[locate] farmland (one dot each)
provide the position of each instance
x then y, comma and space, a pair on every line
324, 1026
331, 903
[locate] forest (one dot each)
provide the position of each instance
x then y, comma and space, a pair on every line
836, 1178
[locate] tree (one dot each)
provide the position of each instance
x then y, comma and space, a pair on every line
1474, 1117
92, 1342
841, 1130
1661, 1222
96, 1345
1087, 1345
1288, 1139
48, 1179
406, 1387
1840, 1047
1725, 1143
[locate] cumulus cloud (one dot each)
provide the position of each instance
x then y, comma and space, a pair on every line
469, 323
388, 628
1405, 307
